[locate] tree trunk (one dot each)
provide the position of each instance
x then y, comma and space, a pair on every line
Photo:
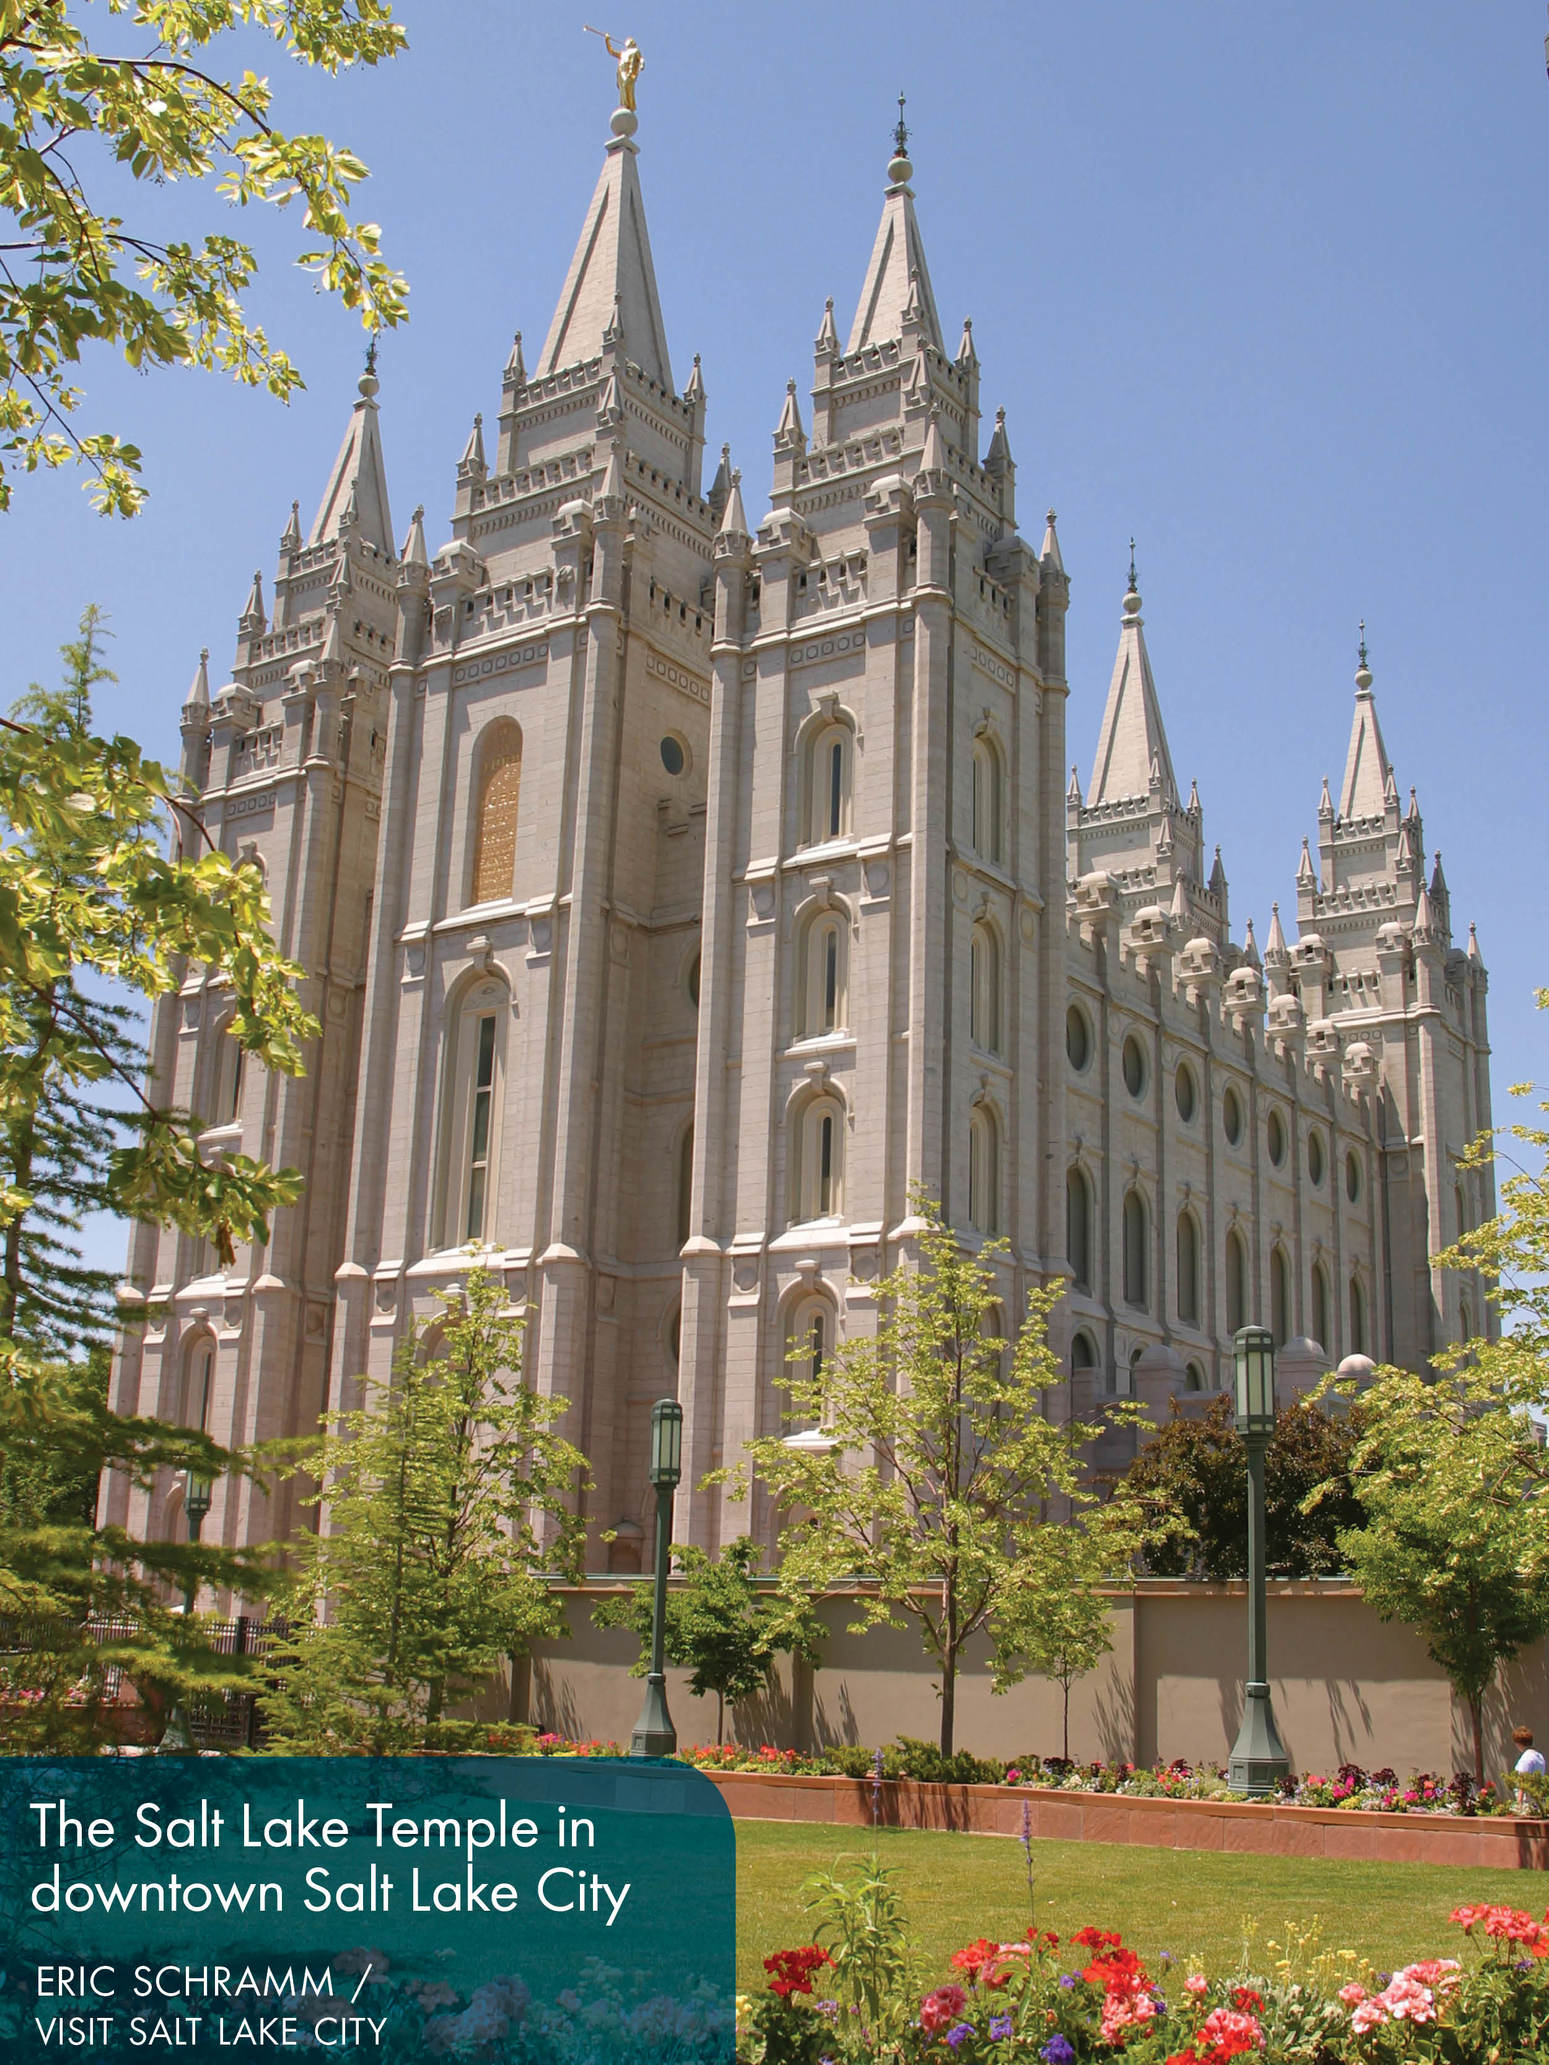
948, 1696
1065, 1737
720, 1718
1476, 1715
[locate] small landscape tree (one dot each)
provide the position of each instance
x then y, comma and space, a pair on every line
720, 1627
945, 1487
450, 1502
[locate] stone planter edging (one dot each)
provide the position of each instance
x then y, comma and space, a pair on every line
1502, 1842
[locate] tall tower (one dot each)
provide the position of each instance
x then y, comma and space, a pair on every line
1376, 958
286, 761
527, 1065
884, 867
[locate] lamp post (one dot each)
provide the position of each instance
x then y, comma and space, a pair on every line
654, 1734
197, 1495
1258, 1758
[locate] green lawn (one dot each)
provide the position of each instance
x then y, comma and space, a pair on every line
957, 1887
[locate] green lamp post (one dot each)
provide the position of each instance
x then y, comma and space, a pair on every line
654, 1734
1258, 1759
197, 1496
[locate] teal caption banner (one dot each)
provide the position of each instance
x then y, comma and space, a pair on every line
517, 1910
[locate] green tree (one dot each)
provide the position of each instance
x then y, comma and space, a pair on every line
89, 896
450, 1503
720, 1627
943, 1472
82, 125
1064, 1628
1196, 1468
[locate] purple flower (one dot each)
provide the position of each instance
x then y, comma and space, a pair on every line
1067, 1979
1059, 2050
1000, 2027
959, 2034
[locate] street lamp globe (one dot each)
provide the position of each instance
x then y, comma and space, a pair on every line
1255, 1382
666, 1444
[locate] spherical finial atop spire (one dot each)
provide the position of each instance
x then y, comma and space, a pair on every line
1132, 593
369, 382
1363, 673
899, 168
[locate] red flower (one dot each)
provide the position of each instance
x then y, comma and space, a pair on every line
1247, 2002
939, 2010
1048, 1937
1094, 1939
975, 1956
792, 1970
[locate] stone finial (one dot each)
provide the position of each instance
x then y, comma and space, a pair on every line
290, 538
1250, 947
1363, 673
198, 698
899, 167
788, 431
414, 553
472, 460
516, 365
1325, 801
252, 620
1306, 874
734, 523
827, 341
1049, 551
695, 390
1276, 952
966, 355
998, 458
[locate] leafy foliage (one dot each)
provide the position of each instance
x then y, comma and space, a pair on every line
719, 1626
89, 895
449, 1497
945, 1484
72, 272
1196, 1468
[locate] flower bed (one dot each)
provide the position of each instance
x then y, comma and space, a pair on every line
854, 1996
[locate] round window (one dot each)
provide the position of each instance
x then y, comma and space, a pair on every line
1183, 1090
1274, 1135
1352, 1176
1134, 1063
1078, 1037
1231, 1116
674, 753
1315, 1157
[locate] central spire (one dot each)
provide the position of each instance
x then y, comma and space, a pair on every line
1367, 772
1132, 746
357, 487
610, 291
897, 281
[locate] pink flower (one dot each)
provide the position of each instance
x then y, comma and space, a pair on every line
1353, 1994
1196, 1983
940, 2009
1367, 2016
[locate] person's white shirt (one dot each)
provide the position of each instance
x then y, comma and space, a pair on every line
1530, 1760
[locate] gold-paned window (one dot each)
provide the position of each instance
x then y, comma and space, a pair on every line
500, 783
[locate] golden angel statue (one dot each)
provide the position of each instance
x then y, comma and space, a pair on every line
630, 64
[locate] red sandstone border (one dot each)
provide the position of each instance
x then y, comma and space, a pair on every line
1502, 1842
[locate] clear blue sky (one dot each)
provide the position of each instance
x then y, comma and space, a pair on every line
1264, 286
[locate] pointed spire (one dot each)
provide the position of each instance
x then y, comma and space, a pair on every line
827, 341
789, 434
1306, 874
720, 487
610, 403
611, 285
967, 357
998, 458
934, 458
472, 461
1178, 910
1473, 948
734, 524
1132, 751
414, 553
1250, 947
1438, 880
612, 489
1368, 784
1049, 552
1276, 952
897, 275
358, 475
1425, 916
252, 620
198, 698
1193, 806
516, 365
695, 390
1217, 875
1325, 801
1073, 792
290, 537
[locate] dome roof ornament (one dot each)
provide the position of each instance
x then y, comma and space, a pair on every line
1363, 673
899, 167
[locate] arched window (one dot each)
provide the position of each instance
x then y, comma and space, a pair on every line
1460, 1209
1357, 1317
1465, 1320
822, 971
829, 779
809, 1345
497, 788
230, 1070
1136, 1290
1279, 1297
1321, 1331
1188, 1268
984, 989
475, 1054
685, 1182
1083, 1353
1078, 1226
1193, 1377
983, 1172
1236, 1282
988, 814
199, 1384
817, 1190
674, 1335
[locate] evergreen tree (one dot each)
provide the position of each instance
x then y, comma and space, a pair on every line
448, 1504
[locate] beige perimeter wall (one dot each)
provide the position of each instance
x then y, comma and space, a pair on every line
1344, 1685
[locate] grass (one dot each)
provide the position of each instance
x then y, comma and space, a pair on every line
957, 1887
